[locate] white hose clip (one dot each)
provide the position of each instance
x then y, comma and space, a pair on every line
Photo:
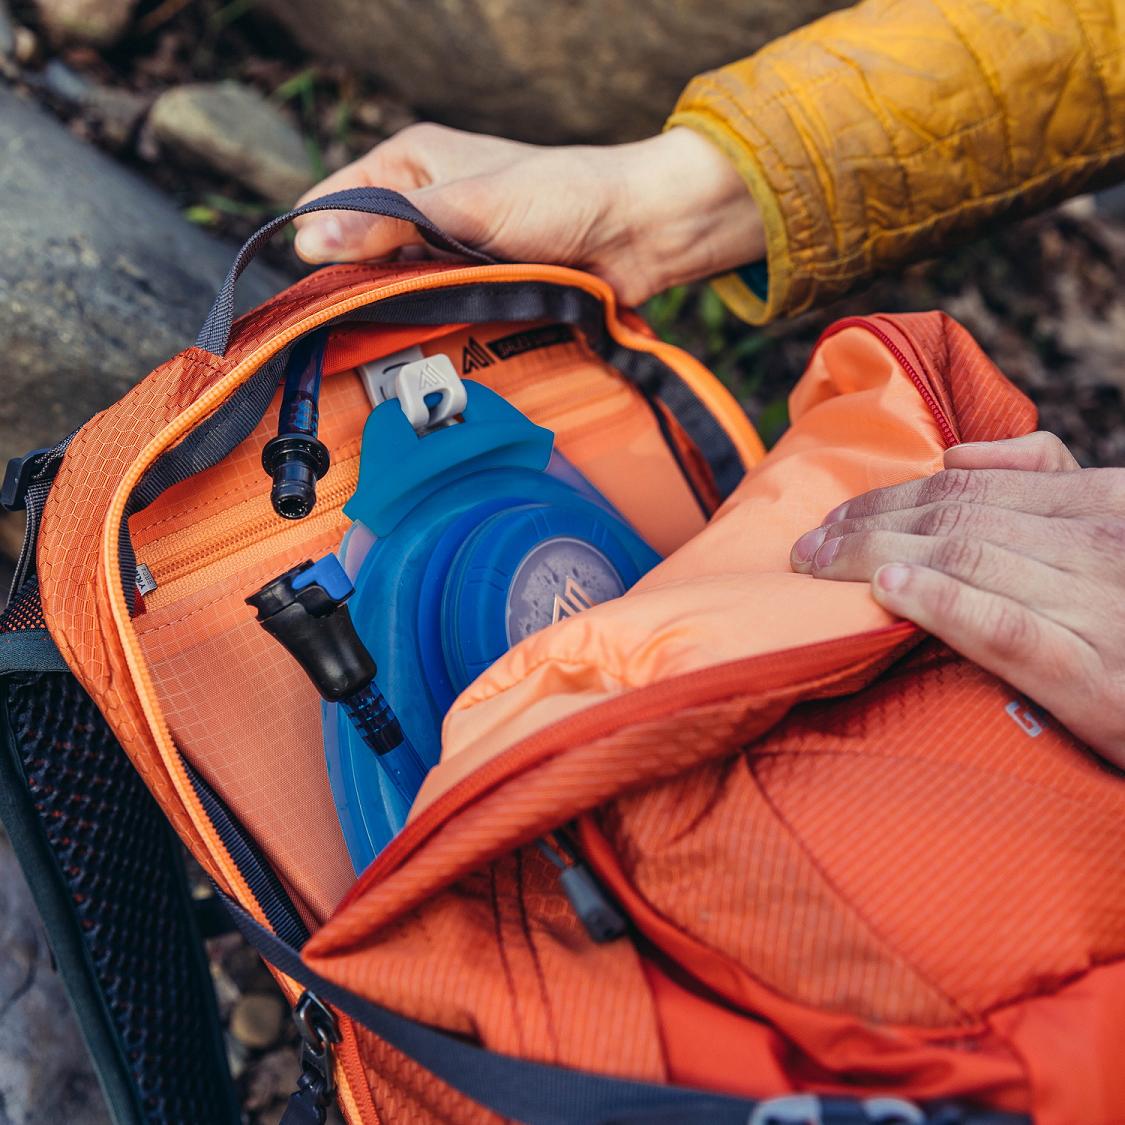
411, 377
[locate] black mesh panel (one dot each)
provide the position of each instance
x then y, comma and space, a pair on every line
119, 860
24, 612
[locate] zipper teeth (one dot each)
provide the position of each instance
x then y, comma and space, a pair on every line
329, 501
948, 436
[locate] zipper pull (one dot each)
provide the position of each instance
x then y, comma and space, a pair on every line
589, 900
315, 1088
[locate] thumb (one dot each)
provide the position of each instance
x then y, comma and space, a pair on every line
1040, 452
348, 236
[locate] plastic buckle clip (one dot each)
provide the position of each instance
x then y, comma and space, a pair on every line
432, 375
808, 1109
317, 1028
410, 377
18, 478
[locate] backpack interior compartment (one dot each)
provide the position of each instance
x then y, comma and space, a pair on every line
240, 710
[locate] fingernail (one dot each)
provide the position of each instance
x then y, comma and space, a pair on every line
892, 577
837, 514
806, 547
827, 553
320, 240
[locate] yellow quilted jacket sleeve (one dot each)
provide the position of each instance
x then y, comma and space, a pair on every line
884, 133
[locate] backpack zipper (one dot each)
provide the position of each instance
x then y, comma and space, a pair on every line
706, 388
171, 564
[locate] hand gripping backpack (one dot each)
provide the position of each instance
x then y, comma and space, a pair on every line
864, 881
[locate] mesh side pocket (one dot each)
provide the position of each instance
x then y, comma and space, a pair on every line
24, 612
120, 864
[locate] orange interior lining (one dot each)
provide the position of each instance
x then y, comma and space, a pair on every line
238, 706
862, 424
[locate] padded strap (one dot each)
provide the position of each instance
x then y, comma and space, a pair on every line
539, 1094
214, 336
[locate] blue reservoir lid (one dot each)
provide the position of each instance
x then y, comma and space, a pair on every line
524, 568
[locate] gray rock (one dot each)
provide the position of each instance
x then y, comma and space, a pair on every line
26, 47
45, 1072
258, 1020
101, 278
597, 70
116, 112
233, 129
98, 23
64, 83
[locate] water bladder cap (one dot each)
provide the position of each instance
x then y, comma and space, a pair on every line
524, 568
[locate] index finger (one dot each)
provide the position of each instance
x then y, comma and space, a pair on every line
1037, 493
383, 166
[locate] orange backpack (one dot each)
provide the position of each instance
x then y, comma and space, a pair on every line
864, 879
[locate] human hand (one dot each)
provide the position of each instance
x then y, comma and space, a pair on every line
643, 216
1015, 557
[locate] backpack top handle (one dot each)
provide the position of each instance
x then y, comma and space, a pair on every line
214, 336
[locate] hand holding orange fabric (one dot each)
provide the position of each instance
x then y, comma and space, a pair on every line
642, 216
1015, 557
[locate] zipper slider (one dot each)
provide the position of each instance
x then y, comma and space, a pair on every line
316, 1087
596, 911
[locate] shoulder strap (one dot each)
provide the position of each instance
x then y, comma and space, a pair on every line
539, 1094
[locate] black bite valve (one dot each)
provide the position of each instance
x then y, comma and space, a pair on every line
304, 609
296, 458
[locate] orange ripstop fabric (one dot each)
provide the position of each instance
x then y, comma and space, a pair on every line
854, 863
863, 896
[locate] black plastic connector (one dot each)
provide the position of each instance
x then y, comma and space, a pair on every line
304, 609
296, 462
296, 458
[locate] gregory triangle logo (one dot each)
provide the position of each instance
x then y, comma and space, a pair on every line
474, 356
571, 601
433, 378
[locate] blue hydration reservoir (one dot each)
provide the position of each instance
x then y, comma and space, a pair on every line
468, 537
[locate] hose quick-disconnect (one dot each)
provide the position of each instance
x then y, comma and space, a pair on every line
296, 459
305, 610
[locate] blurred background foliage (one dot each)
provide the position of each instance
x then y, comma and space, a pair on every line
1042, 296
